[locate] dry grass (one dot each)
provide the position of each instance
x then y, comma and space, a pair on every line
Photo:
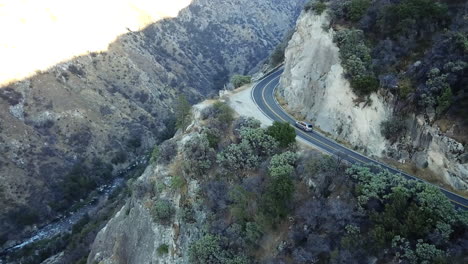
444, 124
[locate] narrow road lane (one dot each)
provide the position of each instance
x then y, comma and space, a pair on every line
263, 94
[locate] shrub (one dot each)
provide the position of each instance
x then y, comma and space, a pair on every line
444, 100
154, 154
177, 182
253, 233
406, 87
188, 214
162, 211
206, 250
317, 6
461, 41
134, 142
163, 249
259, 140
213, 139
119, 157
392, 129
198, 155
357, 61
239, 80
284, 133
245, 122
365, 85
11, 96
422, 14
78, 182
182, 112
238, 157
285, 158
224, 112
277, 56
357, 8
414, 218
277, 197
167, 151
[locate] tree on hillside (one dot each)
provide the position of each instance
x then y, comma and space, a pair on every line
239, 80
182, 112
283, 133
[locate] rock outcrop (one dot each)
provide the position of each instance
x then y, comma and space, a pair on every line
314, 87
115, 105
134, 235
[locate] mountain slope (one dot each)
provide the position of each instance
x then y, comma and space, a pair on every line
64, 130
368, 84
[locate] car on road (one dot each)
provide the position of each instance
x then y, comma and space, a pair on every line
304, 126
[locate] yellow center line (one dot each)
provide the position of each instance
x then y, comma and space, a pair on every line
305, 135
318, 140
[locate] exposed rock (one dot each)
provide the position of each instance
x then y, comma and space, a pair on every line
463, 158
134, 236
313, 85
420, 159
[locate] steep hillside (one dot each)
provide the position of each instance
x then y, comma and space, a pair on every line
395, 93
64, 131
225, 192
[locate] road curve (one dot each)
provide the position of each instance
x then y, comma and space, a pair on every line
264, 98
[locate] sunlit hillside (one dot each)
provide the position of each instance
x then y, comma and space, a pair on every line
38, 34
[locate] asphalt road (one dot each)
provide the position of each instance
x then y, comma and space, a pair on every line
263, 96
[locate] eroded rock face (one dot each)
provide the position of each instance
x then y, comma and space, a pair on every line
133, 235
101, 105
314, 87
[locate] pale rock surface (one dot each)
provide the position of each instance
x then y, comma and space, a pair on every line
314, 87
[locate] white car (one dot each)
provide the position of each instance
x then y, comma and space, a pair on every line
304, 126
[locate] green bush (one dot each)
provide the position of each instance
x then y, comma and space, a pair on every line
225, 114
238, 157
259, 140
357, 61
365, 85
134, 142
284, 133
396, 18
177, 182
277, 56
357, 8
239, 80
411, 213
119, 157
277, 197
213, 140
461, 41
444, 100
206, 250
198, 155
182, 112
317, 6
155, 154
162, 211
163, 249
392, 129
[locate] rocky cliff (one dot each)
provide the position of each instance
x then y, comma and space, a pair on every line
94, 114
314, 87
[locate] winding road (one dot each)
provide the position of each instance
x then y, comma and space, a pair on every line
263, 94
